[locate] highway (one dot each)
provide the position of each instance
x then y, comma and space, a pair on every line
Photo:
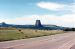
59, 41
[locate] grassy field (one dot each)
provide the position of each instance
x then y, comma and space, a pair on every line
14, 34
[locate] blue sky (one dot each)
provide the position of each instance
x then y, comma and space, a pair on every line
27, 11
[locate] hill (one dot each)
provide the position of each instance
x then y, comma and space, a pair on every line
45, 27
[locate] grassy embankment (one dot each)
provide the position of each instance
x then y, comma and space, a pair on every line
14, 34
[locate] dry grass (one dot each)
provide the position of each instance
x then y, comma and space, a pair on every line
6, 35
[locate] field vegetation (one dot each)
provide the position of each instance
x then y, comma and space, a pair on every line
7, 34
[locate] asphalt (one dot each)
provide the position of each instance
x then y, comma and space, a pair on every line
59, 41
73, 47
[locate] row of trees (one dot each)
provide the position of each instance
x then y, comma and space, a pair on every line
69, 29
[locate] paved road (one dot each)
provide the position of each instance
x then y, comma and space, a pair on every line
73, 47
59, 41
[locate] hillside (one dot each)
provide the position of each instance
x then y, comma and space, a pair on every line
46, 27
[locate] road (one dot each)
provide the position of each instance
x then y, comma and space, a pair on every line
59, 41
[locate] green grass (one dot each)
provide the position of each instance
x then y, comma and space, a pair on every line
6, 35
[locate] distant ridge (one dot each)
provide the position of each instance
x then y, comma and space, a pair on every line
37, 25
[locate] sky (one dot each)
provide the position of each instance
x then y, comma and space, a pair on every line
23, 12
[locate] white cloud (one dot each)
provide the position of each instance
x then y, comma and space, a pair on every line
65, 8
50, 6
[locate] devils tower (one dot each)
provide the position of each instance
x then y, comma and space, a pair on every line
38, 23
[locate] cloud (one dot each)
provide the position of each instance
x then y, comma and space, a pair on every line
49, 6
60, 8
